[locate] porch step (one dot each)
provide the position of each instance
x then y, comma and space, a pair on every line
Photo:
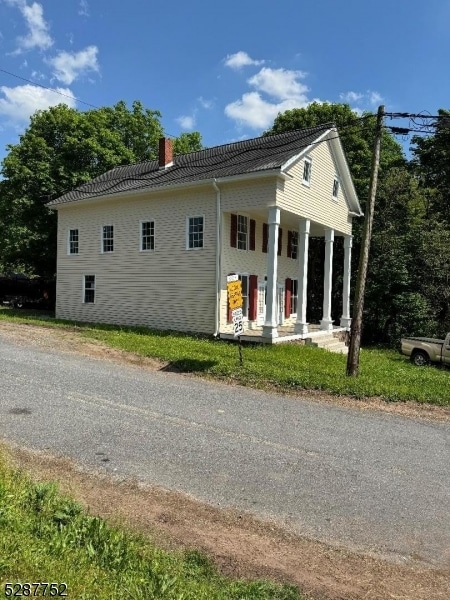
329, 343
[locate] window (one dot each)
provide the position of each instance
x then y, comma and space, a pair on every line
108, 238
294, 296
242, 232
245, 289
147, 235
294, 245
195, 227
307, 171
89, 289
72, 246
335, 188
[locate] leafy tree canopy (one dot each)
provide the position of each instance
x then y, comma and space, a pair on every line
431, 162
61, 149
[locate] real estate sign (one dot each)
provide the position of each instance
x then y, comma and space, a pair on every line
235, 302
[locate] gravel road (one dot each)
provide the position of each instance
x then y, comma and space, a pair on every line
364, 480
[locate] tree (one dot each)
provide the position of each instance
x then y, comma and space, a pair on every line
61, 149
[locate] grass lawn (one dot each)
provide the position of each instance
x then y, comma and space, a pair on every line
45, 537
383, 373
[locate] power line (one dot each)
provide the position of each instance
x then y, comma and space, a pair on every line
48, 88
61, 93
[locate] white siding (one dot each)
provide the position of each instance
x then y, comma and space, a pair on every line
248, 195
168, 288
316, 202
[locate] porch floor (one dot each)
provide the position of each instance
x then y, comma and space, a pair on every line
286, 333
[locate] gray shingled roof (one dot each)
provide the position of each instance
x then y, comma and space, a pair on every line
249, 156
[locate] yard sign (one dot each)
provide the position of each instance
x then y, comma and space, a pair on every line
235, 302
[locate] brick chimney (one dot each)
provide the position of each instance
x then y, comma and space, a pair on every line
165, 153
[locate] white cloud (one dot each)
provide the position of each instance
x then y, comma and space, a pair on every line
254, 111
204, 103
38, 35
282, 85
241, 59
83, 9
186, 122
37, 75
351, 97
19, 103
375, 98
279, 83
363, 98
70, 65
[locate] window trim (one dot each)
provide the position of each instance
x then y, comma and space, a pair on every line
141, 236
245, 316
83, 290
102, 238
294, 233
247, 239
307, 160
336, 182
69, 253
187, 232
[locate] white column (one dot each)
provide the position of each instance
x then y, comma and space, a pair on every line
270, 326
346, 319
326, 323
301, 326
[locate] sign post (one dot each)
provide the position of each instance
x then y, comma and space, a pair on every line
235, 303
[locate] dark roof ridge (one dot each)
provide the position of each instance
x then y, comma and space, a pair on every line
239, 144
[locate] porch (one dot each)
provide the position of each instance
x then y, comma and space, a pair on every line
274, 276
287, 333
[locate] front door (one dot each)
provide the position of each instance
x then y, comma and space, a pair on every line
261, 303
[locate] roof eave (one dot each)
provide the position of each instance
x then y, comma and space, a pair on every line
176, 186
347, 181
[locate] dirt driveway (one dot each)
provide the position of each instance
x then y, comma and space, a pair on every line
241, 545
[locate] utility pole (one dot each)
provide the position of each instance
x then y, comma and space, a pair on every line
358, 304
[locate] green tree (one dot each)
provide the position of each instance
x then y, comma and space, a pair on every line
431, 164
61, 149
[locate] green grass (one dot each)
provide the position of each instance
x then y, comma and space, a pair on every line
288, 367
46, 537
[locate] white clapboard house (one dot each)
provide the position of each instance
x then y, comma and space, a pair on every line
152, 243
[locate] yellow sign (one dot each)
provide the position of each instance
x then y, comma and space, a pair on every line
234, 289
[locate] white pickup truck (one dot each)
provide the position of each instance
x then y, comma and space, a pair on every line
422, 350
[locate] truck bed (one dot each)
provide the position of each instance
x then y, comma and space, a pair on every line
425, 339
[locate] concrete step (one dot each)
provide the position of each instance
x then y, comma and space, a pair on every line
329, 343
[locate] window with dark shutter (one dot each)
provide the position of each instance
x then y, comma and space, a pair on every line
233, 231
280, 241
287, 300
289, 244
253, 298
252, 234
265, 241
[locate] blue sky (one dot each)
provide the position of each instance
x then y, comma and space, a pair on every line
224, 69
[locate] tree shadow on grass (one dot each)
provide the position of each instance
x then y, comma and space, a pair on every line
189, 365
